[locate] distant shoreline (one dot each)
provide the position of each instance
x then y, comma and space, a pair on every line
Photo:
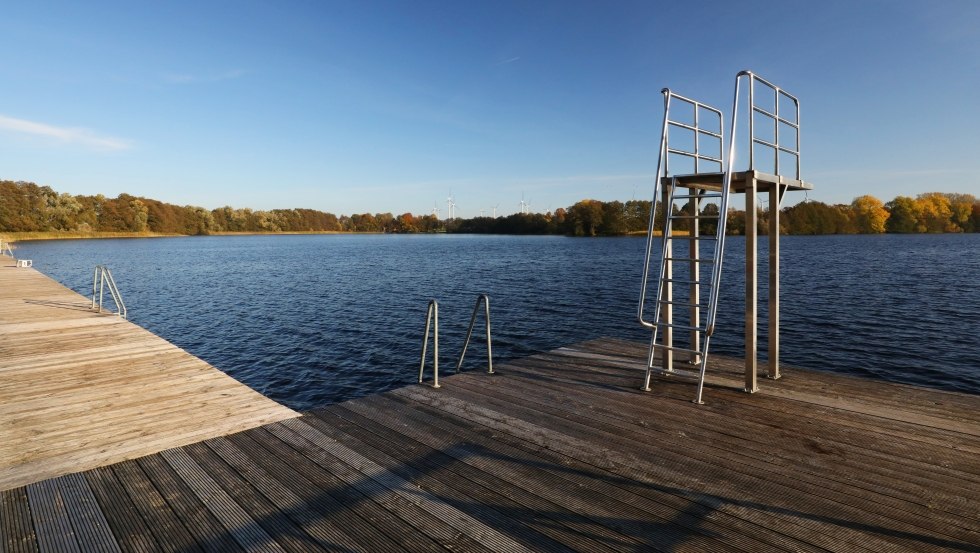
62, 235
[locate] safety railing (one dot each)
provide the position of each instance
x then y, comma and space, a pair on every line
780, 124
6, 250
432, 328
102, 280
713, 129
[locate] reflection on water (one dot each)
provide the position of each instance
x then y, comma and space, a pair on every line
311, 320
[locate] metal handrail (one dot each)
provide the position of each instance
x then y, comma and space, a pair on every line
776, 145
431, 320
101, 280
485, 299
5, 249
663, 171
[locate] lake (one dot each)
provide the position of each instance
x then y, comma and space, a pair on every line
310, 320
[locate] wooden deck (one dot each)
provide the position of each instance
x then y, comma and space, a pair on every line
556, 452
79, 390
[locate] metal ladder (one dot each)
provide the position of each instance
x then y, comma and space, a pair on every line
702, 137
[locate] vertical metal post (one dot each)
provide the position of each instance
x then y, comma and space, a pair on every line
101, 287
695, 274
667, 309
486, 306
774, 202
95, 281
751, 283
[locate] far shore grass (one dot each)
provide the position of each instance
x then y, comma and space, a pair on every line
79, 235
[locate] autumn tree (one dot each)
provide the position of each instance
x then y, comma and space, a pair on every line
934, 213
870, 214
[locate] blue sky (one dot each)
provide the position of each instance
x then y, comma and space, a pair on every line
368, 106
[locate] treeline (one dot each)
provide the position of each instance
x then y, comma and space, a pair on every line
27, 207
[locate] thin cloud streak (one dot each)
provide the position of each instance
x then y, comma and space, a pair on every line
505, 62
187, 78
67, 135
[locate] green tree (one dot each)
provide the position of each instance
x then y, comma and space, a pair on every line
903, 215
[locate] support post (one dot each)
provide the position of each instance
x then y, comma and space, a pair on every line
751, 284
667, 309
774, 202
695, 275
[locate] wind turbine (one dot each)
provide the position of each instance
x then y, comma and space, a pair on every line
495, 210
482, 211
435, 209
451, 202
524, 204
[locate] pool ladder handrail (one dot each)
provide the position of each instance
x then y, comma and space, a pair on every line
5, 250
432, 322
101, 280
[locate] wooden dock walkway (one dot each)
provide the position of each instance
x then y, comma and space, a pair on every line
80, 389
557, 452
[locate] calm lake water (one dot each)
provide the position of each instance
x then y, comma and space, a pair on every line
312, 320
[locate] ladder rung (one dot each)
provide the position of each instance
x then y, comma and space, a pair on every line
690, 259
672, 237
684, 303
683, 281
690, 196
683, 327
678, 348
693, 216
682, 372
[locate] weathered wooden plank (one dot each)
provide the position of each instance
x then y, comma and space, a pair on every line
162, 521
207, 531
51, 523
80, 389
435, 427
414, 514
16, 530
539, 501
825, 496
713, 426
88, 522
129, 529
630, 437
346, 497
417, 488
239, 523
320, 516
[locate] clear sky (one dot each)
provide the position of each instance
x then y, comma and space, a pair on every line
362, 106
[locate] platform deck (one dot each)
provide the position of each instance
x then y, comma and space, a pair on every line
80, 389
557, 452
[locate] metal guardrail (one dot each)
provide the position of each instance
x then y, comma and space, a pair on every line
101, 280
714, 129
432, 324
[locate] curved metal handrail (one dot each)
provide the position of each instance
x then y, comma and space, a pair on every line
485, 299
431, 321
101, 280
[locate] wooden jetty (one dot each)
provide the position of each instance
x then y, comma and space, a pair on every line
555, 452
80, 389
113, 440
